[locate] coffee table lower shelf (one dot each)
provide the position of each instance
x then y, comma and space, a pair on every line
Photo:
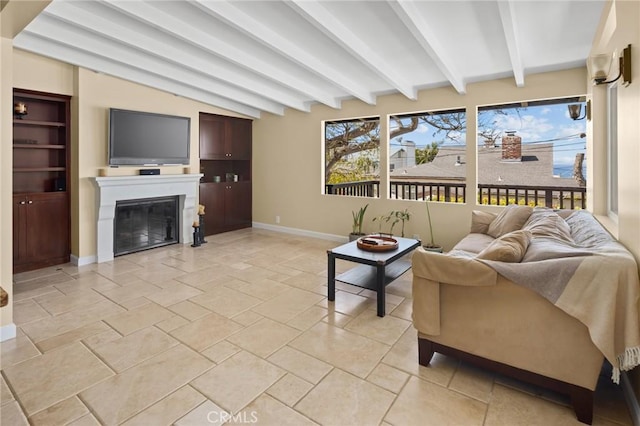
365, 276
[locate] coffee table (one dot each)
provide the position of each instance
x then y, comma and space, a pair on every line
376, 270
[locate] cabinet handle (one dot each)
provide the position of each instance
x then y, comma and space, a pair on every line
22, 202
30, 202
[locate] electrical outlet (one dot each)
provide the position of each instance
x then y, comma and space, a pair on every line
277, 219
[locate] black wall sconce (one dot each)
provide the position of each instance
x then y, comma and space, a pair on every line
576, 109
600, 66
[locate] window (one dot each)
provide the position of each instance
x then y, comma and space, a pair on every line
612, 152
426, 152
532, 153
352, 157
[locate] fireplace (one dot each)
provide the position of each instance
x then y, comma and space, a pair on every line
120, 190
144, 224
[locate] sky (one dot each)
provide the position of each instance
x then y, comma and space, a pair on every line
547, 123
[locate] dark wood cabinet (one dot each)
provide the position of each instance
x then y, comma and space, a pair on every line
41, 223
225, 161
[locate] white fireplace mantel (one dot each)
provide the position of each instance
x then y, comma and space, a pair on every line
118, 188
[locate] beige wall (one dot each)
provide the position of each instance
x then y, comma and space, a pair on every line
619, 28
288, 166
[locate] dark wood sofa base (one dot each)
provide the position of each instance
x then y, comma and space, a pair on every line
581, 398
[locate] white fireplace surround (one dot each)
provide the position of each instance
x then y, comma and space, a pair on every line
119, 188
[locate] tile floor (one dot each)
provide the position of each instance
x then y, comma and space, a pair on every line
242, 325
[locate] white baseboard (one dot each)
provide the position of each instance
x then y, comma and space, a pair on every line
82, 261
7, 332
630, 397
301, 232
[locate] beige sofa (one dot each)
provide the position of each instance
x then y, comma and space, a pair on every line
500, 299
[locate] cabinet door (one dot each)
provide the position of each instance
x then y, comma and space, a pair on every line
238, 204
240, 139
19, 229
47, 226
213, 135
212, 198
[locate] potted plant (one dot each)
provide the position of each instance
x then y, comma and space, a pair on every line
395, 215
431, 246
356, 226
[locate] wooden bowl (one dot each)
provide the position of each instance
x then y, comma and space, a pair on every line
377, 243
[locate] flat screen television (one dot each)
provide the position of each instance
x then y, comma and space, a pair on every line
142, 138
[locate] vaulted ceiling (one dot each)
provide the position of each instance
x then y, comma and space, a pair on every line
255, 56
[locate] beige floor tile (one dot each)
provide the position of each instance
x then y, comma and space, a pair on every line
403, 310
138, 318
290, 389
472, 381
56, 277
120, 397
221, 351
170, 409
263, 288
337, 319
387, 377
287, 305
39, 386
347, 304
158, 272
134, 348
20, 295
421, 402
245, 377
302, 365
387, 329
264, 337
61, 413
307, 263
390, 298
189, 310
100, 338
172, 323
609, 401
206, 331
86, 420
14, 351
73, 336
5, 392
85, 281
131, 291
198, 278
24, 277
267, 411
137, 302
120, 266
62, 303
27, 311
509, 406
247, 318
356, 354
305, 281
226, 301
11, 414
344, 399
173, 294
206, 413
50, 327
308, 318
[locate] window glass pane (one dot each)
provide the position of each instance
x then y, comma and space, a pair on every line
352, 157
533, 153
426, 156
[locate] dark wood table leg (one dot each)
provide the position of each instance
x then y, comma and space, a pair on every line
380, 288
331, 276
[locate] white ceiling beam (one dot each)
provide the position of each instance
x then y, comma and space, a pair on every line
240, 20
413, 18
146, 13
53, 49
333, 27
70, 35
509, 26
73, 13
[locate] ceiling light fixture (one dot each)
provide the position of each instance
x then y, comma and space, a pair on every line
600, 66
576, 109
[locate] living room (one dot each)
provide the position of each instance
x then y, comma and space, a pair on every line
291, 191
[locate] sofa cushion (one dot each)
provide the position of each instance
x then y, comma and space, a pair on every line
480, 221
474, 243
586, 231
547, 223
512, 218
510, 247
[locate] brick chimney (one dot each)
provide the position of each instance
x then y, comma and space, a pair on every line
511, 147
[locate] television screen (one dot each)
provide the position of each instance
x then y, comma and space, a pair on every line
143, 138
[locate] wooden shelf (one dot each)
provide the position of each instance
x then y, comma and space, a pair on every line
36, 146
39, 169
38, 123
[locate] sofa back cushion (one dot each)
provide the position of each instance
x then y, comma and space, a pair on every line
547, 223
512, 218
480, 221
510, 247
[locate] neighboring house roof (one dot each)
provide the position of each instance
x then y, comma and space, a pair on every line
535, 169
394, 152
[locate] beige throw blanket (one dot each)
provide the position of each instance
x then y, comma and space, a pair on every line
598, 285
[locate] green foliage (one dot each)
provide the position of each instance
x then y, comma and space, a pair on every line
394, 217
358, 218
426, 154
